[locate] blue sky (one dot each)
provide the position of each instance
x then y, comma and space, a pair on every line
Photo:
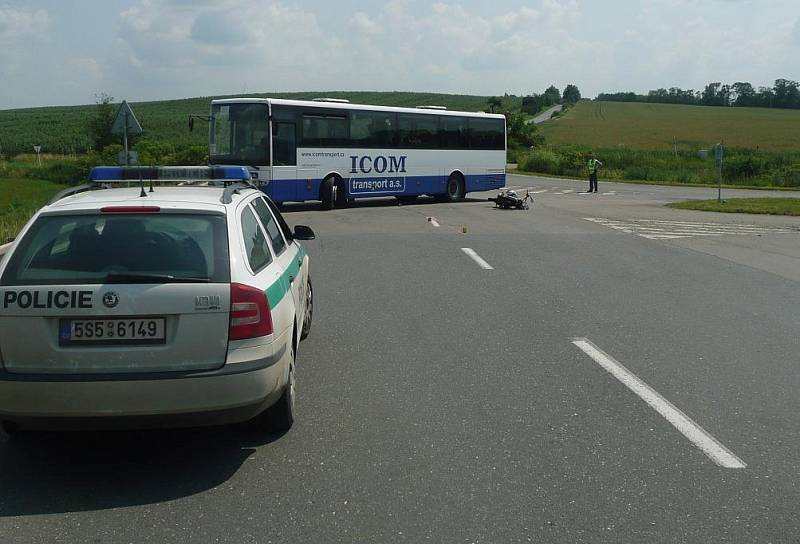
55, 52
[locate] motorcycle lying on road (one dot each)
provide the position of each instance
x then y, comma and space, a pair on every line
509, 200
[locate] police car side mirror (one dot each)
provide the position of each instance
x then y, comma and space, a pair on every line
302, 232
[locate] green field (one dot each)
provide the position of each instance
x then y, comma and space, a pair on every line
62, 129
19, 199
770, 206
609, 125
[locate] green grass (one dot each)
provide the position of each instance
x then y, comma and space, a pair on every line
19, 200
770, 206
611, 125
62, 129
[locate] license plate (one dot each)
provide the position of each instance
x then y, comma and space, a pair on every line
148, 330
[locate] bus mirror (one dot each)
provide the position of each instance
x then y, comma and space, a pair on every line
302, 232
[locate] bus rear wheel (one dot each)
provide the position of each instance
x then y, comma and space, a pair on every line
455, 188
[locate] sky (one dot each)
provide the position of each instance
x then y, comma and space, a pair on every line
64, 52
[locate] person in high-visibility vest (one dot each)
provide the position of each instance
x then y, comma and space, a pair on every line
594, 165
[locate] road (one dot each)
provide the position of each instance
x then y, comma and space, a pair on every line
545, 115
443, 401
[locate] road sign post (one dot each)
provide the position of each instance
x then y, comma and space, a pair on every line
719, 154
124, 124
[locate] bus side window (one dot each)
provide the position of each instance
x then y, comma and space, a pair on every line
453, 132
325, 130
284, 145
418, 131
486, 133
372, 129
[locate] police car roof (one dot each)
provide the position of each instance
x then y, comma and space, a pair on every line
205, 198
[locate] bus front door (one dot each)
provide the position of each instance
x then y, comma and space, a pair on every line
284, 162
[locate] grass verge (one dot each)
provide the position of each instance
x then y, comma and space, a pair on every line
770, 206
19, 200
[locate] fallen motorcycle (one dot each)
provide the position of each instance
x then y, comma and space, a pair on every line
509, 200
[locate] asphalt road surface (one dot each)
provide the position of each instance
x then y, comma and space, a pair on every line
596, 369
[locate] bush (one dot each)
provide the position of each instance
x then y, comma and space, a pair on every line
544, 161
788, 176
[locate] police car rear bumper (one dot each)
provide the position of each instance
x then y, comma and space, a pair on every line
236, 392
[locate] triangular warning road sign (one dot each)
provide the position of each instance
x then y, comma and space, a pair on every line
125, 117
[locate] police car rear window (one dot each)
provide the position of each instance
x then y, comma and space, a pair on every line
126, 248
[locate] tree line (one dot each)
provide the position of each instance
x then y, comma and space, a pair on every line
784, 94
534, 103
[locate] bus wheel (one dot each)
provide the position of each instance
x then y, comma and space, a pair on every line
340, 193
328, 193
455, 188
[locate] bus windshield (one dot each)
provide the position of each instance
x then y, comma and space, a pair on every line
239, 134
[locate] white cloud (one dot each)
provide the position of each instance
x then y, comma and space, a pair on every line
15, 23
171, 48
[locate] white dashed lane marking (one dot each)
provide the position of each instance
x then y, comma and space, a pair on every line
477, 258
698, 436
654, 229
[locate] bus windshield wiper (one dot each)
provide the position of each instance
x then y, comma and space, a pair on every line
152, 278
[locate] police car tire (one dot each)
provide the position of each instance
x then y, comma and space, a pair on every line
326, 193
280, 416
309, 315
458, 183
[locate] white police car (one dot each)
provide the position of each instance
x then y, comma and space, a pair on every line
120, 306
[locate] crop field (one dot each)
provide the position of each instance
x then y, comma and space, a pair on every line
62, 129
19, 199
611, 125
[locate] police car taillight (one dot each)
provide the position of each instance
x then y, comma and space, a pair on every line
130, 209
250, 316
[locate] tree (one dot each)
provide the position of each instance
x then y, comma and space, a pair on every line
102, 121
787, 94
552, 96
533, 104
710, 96
494, 102
521, 133
571, 94
743, 94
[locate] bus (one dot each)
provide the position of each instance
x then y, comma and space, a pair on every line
335, 152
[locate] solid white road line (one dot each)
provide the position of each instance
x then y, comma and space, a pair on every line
709, 445
537, 192
477, 258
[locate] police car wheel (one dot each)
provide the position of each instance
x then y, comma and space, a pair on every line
280, 416
455, 188
309, 311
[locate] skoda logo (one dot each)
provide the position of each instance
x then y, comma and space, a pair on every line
110, 299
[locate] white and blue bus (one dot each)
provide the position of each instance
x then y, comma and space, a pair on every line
334, 151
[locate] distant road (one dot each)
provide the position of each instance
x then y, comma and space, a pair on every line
545, 115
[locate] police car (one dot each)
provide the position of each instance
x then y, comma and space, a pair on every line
122, 305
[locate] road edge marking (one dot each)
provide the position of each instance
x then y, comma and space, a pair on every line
477, 258
701, 438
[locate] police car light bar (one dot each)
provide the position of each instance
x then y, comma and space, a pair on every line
107, 174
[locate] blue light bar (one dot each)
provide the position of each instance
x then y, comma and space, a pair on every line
101, 174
